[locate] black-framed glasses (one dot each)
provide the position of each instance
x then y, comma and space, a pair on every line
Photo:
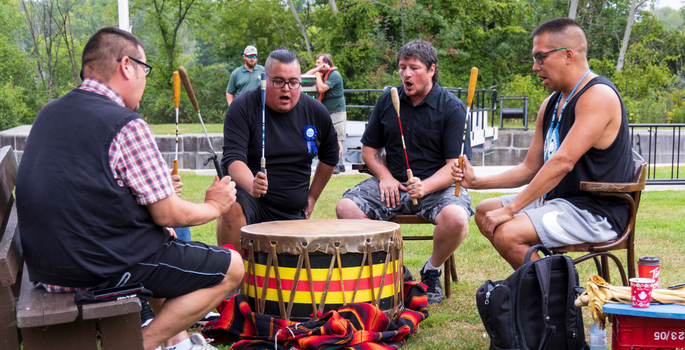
146, 67
539, 57
254, 57
280, 83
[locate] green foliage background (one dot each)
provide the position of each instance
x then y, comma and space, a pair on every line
207, 38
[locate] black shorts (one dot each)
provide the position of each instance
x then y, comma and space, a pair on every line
178, 268
256, 211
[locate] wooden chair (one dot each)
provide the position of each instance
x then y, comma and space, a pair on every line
601, 252
51, 320
449, 266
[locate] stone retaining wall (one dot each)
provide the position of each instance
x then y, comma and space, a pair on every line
510, 148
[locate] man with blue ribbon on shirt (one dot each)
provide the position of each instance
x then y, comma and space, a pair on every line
581, 135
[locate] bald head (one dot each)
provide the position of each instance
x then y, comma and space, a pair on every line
565, 32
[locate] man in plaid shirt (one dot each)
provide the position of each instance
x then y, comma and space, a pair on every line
94, 195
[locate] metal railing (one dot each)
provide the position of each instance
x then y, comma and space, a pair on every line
483, 101
664, 144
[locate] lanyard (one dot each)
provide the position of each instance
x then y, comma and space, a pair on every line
555, 122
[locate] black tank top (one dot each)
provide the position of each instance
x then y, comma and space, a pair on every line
612, 164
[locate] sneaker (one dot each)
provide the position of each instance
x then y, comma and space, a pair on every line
431, 279
407, 274
200, 343
211, 316
336, 170
341, 168
146, 314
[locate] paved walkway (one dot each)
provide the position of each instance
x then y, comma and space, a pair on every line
480, 171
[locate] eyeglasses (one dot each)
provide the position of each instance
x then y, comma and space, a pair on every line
146, 68
279, 83
254, 57
538, 58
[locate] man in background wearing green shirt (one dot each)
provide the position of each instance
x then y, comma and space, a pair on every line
245, 77
330, 86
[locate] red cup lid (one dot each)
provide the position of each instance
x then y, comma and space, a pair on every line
649, 261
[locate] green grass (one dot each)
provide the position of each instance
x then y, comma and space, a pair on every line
454, 323
170, 129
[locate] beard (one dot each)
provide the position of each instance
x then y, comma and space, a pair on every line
250, 65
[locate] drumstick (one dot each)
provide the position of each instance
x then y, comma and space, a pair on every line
396, 103
469, 99
263, 161
191, 95
177, 101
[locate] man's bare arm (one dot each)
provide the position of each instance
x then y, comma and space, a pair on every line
229, 98
172, 211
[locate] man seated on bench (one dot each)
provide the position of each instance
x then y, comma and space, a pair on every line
433, 123
93, 194
581, 135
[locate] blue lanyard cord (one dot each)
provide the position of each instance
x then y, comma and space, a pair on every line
554, 116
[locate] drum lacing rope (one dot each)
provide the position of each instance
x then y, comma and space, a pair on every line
279, 331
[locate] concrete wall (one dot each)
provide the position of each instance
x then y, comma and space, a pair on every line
510, 148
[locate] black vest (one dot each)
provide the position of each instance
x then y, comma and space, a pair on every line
78, 227
613, 164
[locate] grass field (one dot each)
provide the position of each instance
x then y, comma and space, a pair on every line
454, 323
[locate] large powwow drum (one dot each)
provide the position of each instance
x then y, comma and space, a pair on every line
294, 269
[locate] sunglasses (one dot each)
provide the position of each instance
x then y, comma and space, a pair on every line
146, 68
254, 57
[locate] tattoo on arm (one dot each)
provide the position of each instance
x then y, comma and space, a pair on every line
379, 158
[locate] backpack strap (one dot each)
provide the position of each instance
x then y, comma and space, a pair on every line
543, 270
534, 248
572, 331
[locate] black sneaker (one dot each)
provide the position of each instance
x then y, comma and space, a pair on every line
146, 314
341, 168
431, 279
336, 170
407, 274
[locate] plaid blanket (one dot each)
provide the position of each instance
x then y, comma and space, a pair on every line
357, 326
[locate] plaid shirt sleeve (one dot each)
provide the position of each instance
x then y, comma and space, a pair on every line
137, 163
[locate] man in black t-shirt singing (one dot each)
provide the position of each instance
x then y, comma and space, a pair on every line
297, 128
581, 135
432, 120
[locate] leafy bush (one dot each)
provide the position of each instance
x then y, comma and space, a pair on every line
527, 85
13, 108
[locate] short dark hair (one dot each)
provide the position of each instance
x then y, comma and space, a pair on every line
327, 58
104, 48
555, 26
281, 55
423, 51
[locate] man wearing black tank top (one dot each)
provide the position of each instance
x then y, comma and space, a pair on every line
581, 135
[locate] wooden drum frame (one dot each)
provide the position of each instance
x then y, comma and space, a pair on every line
320, 247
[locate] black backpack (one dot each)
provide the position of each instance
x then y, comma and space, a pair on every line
533, 308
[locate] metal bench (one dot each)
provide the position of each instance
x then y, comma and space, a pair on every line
513, 113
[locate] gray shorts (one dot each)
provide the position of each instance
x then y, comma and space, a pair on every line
367, 197
339, 123
558, 223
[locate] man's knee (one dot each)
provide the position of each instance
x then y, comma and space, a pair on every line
235, 273
347, 209
453, 218
510, 234
483, 208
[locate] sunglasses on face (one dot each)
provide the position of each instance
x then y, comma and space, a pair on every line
254, 57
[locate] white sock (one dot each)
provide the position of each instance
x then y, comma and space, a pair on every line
184, 345
430, 266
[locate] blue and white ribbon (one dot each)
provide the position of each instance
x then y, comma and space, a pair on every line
309, 134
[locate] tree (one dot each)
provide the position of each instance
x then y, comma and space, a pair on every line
634, 5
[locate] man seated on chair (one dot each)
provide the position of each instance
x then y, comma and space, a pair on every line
94, 193
433, 124
296, 127
581, 135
